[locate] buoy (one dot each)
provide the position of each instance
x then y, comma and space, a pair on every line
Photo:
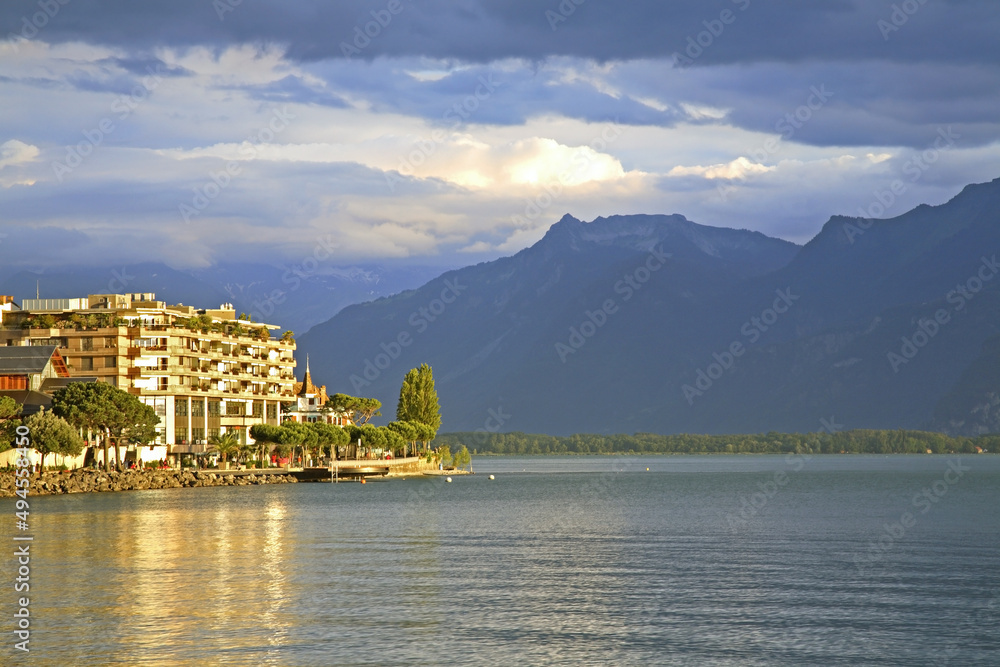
447, 479
647, 469
492, 477
363, 481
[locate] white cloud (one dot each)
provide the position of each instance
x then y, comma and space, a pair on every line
14, 152
739, 169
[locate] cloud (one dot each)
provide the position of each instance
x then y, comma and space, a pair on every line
15, 152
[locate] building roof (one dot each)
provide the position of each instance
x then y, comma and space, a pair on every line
306, 386
30, 401
31, 360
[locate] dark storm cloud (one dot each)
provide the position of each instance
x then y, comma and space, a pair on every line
959, 31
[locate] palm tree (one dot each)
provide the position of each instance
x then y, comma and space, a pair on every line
224, 444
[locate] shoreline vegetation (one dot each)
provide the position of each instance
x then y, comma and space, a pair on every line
857, 441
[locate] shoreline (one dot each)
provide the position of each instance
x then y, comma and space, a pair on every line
89, 480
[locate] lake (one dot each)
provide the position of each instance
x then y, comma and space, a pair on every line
721, 560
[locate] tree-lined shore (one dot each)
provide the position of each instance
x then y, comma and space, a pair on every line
857, 441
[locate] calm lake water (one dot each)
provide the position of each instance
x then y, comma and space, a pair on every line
559, 560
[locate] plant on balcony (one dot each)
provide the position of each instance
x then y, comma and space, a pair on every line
288, 337
263, 334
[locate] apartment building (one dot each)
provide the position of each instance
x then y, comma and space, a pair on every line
205, 372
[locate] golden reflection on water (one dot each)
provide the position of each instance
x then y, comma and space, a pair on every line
168, 580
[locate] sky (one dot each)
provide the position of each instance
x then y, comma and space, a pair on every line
448, 132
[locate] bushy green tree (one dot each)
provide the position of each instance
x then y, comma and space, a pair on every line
118, 416
9, 410
360, 410
53, 435
463, 458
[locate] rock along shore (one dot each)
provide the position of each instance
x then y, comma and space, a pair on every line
87, 480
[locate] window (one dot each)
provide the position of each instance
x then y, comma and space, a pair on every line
87, 343
197, 408
180, 407
110, 341
197, 434
86, 363
272, 411
110, 362
213, 433
258, 409
214, 408
180, 435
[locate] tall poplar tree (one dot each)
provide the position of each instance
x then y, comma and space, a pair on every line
418, 400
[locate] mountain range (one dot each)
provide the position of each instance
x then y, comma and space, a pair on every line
653, 323
647, 323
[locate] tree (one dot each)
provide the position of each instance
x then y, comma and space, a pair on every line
9, 410
298, 435
425, 433
133, 423
265, 435
392, 440
329, 436
407, 431
444, 455
360, 410
225, 444
111, 412
53, 435
463, 457
418, 400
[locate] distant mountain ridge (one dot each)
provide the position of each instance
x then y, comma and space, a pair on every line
769, 335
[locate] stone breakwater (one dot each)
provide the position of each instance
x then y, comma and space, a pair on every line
88, 480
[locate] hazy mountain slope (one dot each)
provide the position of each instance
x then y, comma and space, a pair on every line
496, 344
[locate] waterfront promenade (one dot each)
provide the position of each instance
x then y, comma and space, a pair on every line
88, 480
